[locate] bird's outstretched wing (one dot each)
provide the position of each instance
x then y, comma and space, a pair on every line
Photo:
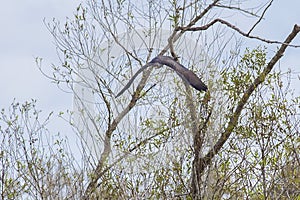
186, 74
183, 72
133, 77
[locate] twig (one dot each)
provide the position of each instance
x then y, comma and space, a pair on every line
237, 8
261, 17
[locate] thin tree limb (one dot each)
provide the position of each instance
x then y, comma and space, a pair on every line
174, 37
205, 27
261, 17
238, 9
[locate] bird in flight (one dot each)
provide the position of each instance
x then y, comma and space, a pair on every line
186, 74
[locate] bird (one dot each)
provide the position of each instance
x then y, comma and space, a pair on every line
186, 74
183, 72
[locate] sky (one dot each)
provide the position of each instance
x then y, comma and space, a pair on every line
24, 36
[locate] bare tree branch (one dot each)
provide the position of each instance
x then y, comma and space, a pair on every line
93, 184
237, 8
205, 27
261, 17
174, 37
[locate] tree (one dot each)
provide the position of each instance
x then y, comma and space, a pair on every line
35, 164
162, 139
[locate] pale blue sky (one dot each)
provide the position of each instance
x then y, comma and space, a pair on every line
23, 36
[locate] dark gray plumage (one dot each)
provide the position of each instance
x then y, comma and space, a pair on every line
186, 74
183, 72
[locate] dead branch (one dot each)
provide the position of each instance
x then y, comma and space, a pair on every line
261, 17
205, 27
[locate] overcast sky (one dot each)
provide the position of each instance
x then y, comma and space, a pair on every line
23, 37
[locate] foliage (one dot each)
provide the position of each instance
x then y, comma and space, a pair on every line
34, 164
160, 139
265, 141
